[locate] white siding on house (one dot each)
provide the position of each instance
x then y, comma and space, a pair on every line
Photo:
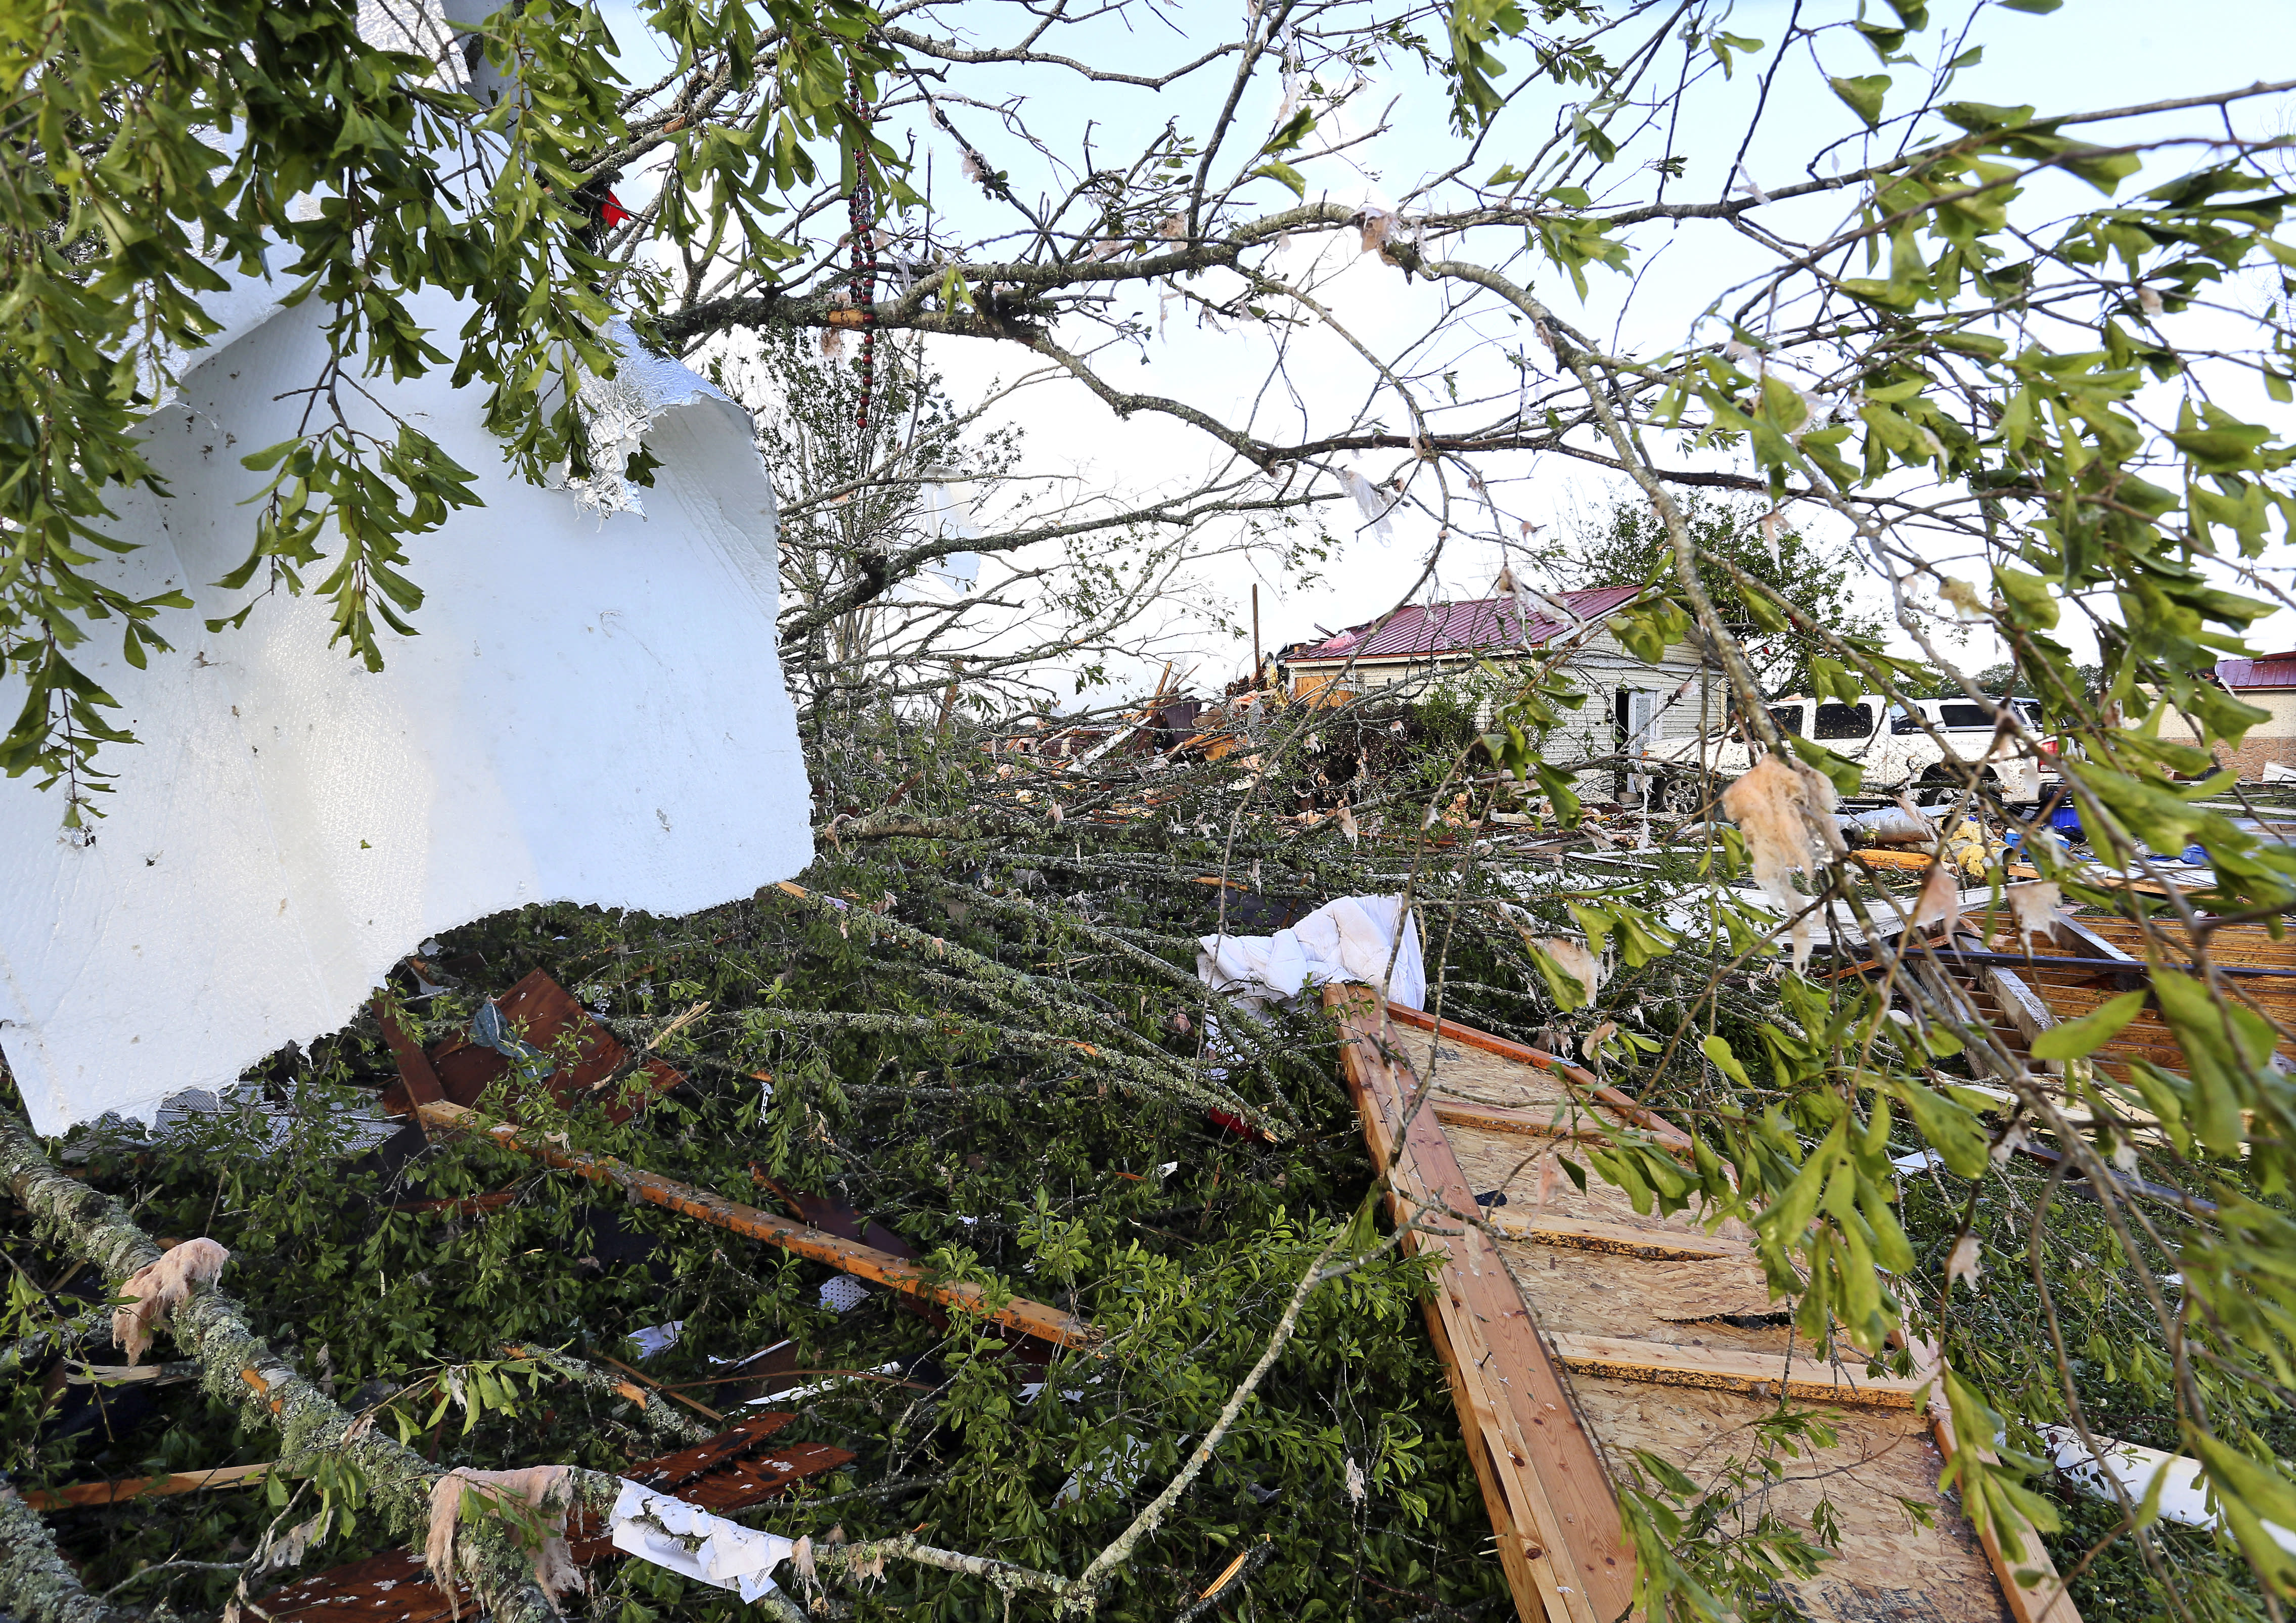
1681, 688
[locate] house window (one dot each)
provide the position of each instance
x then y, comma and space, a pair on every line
1845, 720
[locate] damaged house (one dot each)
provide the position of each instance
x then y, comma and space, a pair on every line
1634, 704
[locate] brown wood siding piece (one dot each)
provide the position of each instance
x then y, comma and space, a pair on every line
847, 1256
1575, 1565
396, 1587
544, 1013
1580, 1233
2079, 941
1585, 1081
418, 1084
745, 1437
1727, 1369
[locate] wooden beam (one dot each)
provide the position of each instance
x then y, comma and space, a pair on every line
1586, 1235
1566, 1556
138, 1488
1728, 1369
847, 1256
414, 1065
1507, 1118
1586, 1082
2026, 1009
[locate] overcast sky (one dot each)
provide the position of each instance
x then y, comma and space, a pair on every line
2092, 54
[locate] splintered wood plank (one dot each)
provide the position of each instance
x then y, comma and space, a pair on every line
138, 1488
1668, 1342
817, 1245
1566, 1557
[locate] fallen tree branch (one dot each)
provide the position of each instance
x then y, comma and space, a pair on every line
239, 1365
37, 1585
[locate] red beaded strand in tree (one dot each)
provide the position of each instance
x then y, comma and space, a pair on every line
864, 283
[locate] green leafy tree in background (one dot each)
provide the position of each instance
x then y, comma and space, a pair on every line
1628, 542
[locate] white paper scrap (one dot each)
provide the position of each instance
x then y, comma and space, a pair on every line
687, 1539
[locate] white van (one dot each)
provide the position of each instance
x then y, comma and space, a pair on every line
1896, 751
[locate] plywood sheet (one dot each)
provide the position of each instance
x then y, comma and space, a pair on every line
1614, 1293
1888, 1568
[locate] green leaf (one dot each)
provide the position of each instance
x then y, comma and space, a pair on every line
1848, 776
1275, 169
2076, 1037
1717, 1050
1863, 95
2034, 599
2226, 1046
1950, 1128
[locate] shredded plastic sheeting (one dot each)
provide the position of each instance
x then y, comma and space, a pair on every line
591, 712
2184, 1495
1350, 940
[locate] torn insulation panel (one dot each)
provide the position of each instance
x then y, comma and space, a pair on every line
592, 711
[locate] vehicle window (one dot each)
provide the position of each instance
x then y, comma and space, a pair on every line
1903, 720
1789, 718
1844, 720
1967, 716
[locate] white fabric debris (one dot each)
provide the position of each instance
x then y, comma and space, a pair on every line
685, 1538
945, 517
1890, 825
591, 712
652, 1341
1368, 502
2184, 1496
1347, 940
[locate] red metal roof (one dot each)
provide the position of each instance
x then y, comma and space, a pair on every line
1480, 625
2273, 670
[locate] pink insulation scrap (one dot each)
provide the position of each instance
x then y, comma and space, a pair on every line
157, 1289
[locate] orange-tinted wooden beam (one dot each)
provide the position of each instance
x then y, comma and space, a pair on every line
817, 1245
